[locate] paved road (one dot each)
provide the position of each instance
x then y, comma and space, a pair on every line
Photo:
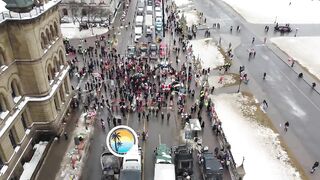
290, 99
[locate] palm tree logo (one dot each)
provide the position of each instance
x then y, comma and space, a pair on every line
115, 136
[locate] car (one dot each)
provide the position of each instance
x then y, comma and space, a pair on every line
283, 29
157, 9
153, 51
140, 11
131, 50
149, 2
158, 24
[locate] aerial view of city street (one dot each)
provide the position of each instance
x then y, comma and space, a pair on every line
159, 89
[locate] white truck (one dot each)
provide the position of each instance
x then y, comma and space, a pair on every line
131, 166
138, 33
139, 21
149, 24
164, 167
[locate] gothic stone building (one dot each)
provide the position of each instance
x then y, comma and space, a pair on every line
35, 90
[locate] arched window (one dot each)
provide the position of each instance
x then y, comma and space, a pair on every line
65, 12
15, 91
50, 72
56, 28
56, 65
61, 57
2, 58
53, 31
48, 35
44, 41
3, 104
84, 12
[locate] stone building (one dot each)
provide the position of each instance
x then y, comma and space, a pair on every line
89, 10
35, 90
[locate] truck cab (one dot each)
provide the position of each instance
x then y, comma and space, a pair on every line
131, 166
211, 167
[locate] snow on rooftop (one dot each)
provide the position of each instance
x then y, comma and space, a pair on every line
259, 145
3, 6
30, 166
208, 53
29, 15
71, 31
269, 11
302, 49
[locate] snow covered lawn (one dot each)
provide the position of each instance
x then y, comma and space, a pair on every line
181, 3
303, 50
208, 52
30, 166
265, 159
262, 11
220, 81
191, 17
71, 31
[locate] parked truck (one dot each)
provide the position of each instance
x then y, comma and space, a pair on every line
149, 24
131, 166
139, 21
164, 167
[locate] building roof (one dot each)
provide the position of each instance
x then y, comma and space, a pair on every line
5, 14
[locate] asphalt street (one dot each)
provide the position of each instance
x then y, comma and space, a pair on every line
159, 131
289, 98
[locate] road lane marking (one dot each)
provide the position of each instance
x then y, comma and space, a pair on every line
300, 90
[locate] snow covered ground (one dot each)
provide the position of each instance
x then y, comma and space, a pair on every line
191, 17
182, 3
208, 53
264, 157
30, 166
269, 11
71, 31
215, 80
303, 50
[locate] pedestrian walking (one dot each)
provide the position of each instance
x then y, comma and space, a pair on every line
264, 75
314, 167
168, 116
253, 39
286, 126
162, 116
265, 103
65, 135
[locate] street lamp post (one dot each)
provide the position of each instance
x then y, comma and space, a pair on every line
240, 70
239, 85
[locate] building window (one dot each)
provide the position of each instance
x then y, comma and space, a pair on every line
13, 141
84, 12
56, 28
56, 102
61, 58
66, 86
44, 41
53, 33
3, 104
65, 12
24, 121
2, 60
14, 89
50, 73
1, 163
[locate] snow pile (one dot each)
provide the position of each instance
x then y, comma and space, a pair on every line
74, 154
208, 52
303, 50
3, 6
181, 3
258, 144
191, 17
71, 31
262, 11
220, 81
30, 166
